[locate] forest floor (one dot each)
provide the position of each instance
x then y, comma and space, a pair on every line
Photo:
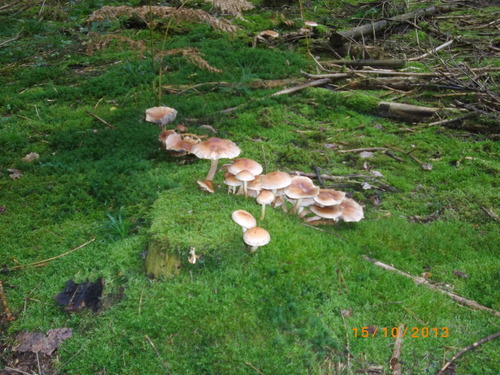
101, 191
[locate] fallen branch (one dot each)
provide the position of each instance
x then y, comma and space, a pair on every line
394, 363
444, 45
388, 64
423, 281
315, 83
363, 149
45, 261
337, 39
470, 347
406, 111
100, 119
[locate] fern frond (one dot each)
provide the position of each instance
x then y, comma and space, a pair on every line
156, 14
192, 55
233, 7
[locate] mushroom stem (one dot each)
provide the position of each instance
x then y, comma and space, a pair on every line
263, 212
245, 189
296, 205
213, 169
304, 212
253, 249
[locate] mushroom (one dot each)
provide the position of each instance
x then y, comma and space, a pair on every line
215, 149
161, 115
330, 212
244, 219
256, 237
193, 257
265, 197
245, 164
232, 183
351, 210
329, 197
244, 176
276, 181
300, 188
206, 185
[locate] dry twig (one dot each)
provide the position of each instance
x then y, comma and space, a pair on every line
463, 351
423, 281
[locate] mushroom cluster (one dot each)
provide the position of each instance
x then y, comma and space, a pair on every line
295, 194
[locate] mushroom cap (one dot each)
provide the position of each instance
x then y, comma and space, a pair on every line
265, 197
310, 23
161, 115
162, 137
329, 197
245, 175
245, 164
269, 33
301, 187
329, 212
206, 185
179, 143
216, 148
351, 210
256, 236
232, 180
275, 180
244, 219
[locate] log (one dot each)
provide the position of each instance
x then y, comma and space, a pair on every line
386, 64
405, 111
396, 83
339, 38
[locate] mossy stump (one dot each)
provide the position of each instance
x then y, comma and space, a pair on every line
160, 262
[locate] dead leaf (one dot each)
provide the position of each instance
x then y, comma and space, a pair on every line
376, 174
208, 127
460, 274
32, 156
41, 342
366, 154
366, 186
427, 167
346, 313
193, 257
15, 173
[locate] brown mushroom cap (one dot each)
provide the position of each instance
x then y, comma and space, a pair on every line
269, 33
216, 148
244, 219
180, 143
162, 137
329, 197
206, 185
351, 210
301, 187
245, 164
256, 237
160, 115
265, 197
275, 180
330, 212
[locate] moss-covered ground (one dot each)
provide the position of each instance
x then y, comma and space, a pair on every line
277, 311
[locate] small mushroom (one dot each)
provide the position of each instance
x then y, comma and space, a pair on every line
245, 176
161, 115
264, 198
351, 210
256, 237
215, 149
206, 185
244, 219
300, 188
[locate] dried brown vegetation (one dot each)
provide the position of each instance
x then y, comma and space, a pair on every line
154, 15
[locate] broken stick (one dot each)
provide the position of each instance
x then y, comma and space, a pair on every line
396, 353
423, 281
470, 347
